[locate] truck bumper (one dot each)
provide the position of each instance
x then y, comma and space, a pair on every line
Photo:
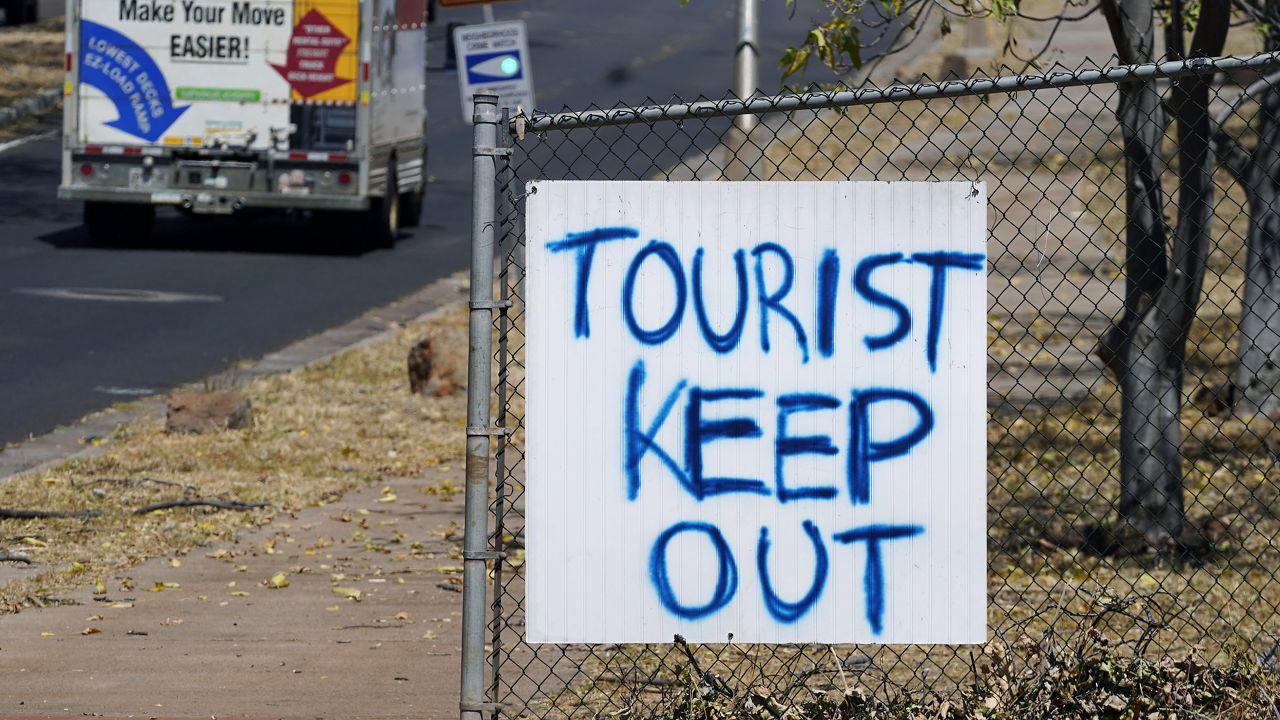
215, 202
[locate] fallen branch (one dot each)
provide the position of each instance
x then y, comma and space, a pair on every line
633, 677
6, 557
198, 502
12, 514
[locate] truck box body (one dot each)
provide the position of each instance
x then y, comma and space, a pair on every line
218, 106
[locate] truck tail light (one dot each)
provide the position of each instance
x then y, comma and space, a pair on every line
344, 178
86, 170
69, 62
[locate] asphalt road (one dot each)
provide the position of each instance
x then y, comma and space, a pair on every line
216, 291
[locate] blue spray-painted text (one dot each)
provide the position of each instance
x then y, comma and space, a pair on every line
723, 577
646, 413
774, 274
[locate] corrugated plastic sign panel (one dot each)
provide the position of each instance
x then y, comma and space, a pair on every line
756, 409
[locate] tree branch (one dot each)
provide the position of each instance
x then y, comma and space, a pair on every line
198, 502
1235, 157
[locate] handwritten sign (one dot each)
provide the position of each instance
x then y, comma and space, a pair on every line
756, 409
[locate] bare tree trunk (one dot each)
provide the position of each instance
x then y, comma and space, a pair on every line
1133, 30
1146, 349
1256, 383
1150, 474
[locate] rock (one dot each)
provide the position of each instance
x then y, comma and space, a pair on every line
436, 363
199, 412
1215, 531
420, 356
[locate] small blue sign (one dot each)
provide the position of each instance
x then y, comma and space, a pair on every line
494, 67
494, 57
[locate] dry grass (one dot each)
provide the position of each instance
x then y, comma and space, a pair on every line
318, 431
1091, 678
31, 59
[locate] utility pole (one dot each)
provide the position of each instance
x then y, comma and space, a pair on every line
747, 59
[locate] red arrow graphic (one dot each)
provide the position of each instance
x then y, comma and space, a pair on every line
313, 56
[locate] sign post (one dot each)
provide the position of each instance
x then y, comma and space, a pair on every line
494, 57
756, 409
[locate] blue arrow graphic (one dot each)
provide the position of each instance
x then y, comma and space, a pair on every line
119, 67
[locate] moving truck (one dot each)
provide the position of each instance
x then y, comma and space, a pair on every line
227, 107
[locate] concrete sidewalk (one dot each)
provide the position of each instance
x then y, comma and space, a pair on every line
204, 636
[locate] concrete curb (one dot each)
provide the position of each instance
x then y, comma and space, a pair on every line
82, 438
33, 105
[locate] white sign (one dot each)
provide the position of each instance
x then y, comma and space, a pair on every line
758, 409
184, 73
494, 56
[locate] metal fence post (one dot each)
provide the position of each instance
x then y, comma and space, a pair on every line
479, 394
746, 57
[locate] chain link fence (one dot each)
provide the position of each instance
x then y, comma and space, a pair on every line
1050, 149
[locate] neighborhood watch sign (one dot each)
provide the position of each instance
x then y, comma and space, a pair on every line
756, 410
188, 71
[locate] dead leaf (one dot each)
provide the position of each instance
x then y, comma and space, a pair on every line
347, 592
90, 631
278, 581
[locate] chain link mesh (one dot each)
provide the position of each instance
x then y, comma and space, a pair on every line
1053, 159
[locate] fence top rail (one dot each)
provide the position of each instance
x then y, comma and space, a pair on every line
790, 102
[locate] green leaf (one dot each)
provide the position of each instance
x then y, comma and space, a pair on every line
794, 61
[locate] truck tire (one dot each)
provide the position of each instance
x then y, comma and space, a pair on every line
411, 202
384, 214
18, 12
119, 224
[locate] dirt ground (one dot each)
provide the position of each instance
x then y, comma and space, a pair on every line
366, 627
